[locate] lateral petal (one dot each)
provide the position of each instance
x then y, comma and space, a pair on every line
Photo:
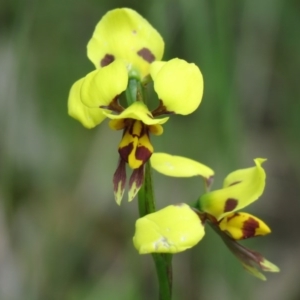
172, 229
241, 188
101, 86
179, 85
89, 117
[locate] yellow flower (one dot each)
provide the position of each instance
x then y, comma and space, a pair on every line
126, 50
240, 189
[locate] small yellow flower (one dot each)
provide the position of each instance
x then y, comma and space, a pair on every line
123, 48
240, 189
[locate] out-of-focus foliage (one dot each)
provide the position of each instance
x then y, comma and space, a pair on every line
61, 234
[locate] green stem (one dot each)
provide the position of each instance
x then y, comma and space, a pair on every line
131, 91
163, 262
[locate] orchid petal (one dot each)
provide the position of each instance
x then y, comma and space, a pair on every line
179, 85
138, 111
169, 230
89, 117
178, 166
241, 188
101, 87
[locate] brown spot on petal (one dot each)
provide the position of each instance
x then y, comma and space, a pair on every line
161, 110
114, 106
125, 151
234, 183
249, 228
146, 54
106, 60
142, 153
230, 204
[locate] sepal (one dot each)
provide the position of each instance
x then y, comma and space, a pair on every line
251, 260
119, 181
135, 182
123, 33
179, 166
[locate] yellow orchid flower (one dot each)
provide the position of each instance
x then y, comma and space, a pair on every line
123, 48
240, 188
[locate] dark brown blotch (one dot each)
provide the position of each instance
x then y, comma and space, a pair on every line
106, 60
234, 183
230, 204
125, 151
147, 55
142, 153
249, 228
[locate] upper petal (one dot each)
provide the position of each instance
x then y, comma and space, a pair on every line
178, 166
179, 85
123, 33
169, 230
241, 188
137, 111
101, 86
89, 117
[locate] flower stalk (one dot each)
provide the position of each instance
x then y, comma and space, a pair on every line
163, 262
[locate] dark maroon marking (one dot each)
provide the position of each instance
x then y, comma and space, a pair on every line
114, 105
137, 177
161, 110
125, 151
234, 183
249, 228
120, 176
230, 204
106, 60
147, 55
142, 153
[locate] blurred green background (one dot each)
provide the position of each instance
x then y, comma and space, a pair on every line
61, 234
